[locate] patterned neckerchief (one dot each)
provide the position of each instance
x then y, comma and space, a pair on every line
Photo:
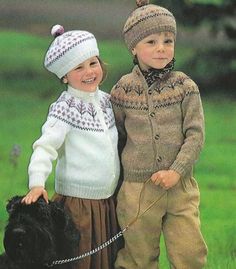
152, 74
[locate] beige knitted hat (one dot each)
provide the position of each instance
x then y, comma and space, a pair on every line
145, 20
69, 49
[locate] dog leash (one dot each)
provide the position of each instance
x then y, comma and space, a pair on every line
115, 237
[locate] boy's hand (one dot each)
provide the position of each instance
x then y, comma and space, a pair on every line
165, 178
33, 195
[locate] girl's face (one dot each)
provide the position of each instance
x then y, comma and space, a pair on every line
86, 76
155, 50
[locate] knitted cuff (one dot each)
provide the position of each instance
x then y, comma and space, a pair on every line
36, 180
180, 168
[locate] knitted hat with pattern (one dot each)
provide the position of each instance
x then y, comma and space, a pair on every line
145, 20
69, 49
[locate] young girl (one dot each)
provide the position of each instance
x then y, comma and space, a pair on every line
80, 133
160, 121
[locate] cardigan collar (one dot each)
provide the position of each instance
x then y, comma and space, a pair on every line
82, 94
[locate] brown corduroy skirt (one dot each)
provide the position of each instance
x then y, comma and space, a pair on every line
96, 221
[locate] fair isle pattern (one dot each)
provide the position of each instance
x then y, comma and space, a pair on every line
134, 23
107, 111
62, 45
129, 95
119, 102
172, 84
170, 98
82, 115
172, 92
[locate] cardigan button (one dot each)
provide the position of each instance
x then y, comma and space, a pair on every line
152, 114
159, 159
149, 92
157, 136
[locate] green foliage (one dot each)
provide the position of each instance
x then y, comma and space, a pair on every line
197, 11
214, 70
205, 2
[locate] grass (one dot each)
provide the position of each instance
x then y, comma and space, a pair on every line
24, 103
216, 175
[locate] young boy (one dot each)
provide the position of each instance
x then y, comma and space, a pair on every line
160, 120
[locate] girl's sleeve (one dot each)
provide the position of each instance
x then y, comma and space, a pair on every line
45, 149
193, 130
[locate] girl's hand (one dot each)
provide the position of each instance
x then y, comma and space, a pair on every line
33, 195
166, 178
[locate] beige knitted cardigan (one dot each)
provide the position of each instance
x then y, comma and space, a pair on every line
160, 127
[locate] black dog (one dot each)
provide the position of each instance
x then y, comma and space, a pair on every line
38, 234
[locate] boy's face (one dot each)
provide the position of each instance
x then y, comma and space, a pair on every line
86, 76
155, 50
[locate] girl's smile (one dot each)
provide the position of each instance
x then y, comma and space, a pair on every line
86, 76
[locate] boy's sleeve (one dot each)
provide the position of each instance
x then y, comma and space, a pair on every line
45, 151
116, 100
193, 129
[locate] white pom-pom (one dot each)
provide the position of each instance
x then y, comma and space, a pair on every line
57, 30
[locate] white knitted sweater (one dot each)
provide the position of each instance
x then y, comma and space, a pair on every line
80, 133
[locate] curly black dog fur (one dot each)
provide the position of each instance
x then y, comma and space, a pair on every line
38, 234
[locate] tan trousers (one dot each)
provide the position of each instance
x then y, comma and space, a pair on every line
176, 215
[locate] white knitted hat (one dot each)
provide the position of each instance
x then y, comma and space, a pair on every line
69, 49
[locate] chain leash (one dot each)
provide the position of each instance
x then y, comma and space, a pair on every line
89, 253
115, 237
